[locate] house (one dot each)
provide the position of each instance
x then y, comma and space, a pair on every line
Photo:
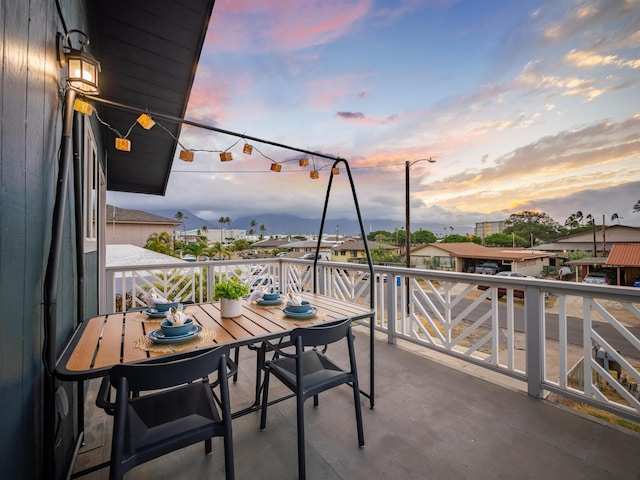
599, 242
307, 248
134, 227
54, 182
466, 256
354, 251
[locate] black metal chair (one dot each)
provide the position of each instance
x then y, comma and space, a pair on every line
183, 408
308, 373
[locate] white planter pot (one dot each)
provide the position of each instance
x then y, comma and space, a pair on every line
230, 308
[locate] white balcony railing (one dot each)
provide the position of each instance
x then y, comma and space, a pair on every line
566, 339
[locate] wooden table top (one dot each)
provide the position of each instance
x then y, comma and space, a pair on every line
107, 340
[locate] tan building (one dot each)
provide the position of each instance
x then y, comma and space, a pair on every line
353, 251
133, 227
466, 256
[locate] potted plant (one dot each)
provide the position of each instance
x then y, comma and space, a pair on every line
230, 292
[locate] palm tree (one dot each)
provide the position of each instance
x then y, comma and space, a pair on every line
253, 225
617, 217
227, 221
636, 207
221, 221
262, 230
181, 217
159, 242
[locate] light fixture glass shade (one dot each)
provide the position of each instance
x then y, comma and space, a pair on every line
275, 167
83, 72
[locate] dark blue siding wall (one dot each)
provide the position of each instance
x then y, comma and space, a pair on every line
30, 130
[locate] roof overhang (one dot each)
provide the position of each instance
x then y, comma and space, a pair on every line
148, 52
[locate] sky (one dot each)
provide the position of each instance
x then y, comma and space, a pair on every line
523, 105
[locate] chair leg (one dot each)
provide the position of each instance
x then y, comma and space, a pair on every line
302, 467
265, 400
207, 447
356, 400
315, 400
236, 359
229, 469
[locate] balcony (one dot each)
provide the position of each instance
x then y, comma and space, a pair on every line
466, 384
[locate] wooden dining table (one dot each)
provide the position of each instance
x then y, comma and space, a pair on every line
118, 338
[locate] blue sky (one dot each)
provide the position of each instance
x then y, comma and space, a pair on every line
524, 105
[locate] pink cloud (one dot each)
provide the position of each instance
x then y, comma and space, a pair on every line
281, 25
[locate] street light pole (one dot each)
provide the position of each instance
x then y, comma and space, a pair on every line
407, 230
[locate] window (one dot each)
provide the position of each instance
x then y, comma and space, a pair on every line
93, 187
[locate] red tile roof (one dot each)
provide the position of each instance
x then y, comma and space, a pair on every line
624, 255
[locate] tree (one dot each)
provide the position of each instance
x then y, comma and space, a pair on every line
159, 242
381, 255
636, 207
181, 217
423, 237
533, 225
262, 230
252, 224
455, 238
617, 217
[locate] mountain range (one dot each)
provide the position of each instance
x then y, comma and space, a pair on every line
294, 225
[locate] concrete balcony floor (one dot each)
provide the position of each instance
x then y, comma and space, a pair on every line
434, 417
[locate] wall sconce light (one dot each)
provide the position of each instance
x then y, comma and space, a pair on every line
123, 144
145, 121
247, 149
83, 107
226, 157
186, 155
304, 162
276, 167
314, 174
83, 67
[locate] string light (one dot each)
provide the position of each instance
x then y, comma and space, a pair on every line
186, 155
145, 121
83, 107
122, 143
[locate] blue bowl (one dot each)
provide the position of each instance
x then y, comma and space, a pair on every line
270, 296
165, 307
174, 330
304, 308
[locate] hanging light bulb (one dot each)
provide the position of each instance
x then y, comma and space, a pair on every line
186, 155
247, 149
304, 162
145, 121
314, 174
123, 144
83, 107
276, 167
335, 171
226, 157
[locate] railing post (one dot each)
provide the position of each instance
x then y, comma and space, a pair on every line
390, 293
534, 332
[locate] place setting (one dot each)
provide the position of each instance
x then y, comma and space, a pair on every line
299, 309
177, 331
266, 298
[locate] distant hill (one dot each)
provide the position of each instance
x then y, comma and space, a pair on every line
291, 224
